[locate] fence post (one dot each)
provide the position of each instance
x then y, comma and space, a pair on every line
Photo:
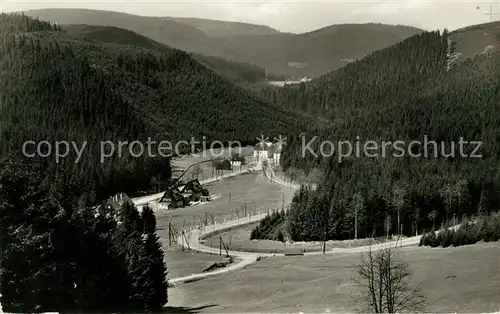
182, 240
169, 234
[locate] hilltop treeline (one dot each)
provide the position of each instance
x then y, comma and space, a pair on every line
61, 257
58, 88
236, 71
402, 93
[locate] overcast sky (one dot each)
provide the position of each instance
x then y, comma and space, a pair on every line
293, 16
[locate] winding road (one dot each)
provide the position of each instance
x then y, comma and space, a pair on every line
194, 239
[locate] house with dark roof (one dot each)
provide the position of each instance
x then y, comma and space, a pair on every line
174, 198
117, 201
237, 160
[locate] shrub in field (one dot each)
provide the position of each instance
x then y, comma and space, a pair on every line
445, 237
483, 228
491, 228
270, 228
464, 235
429, 239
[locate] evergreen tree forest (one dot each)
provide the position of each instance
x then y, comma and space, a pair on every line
402, 93
58, 256
59, 251
236, 71
60, 88
63, 249
271, 227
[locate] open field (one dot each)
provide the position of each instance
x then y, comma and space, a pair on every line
239, 240
204, 170
477, 39
462, 279
186, 263
252, 190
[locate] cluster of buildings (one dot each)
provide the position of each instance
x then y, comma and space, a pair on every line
193, 191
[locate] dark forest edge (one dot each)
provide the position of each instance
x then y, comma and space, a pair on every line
64, 88
59, 252
81, 91
237, 71
59, 256
472, 231
413, 98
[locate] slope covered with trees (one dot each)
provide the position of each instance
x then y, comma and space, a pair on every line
58, 88
313, 53
402, 93
58, 256
236, 71
291, 55
164, 31
111, 34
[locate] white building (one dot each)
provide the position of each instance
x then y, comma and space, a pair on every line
156, 206
261, 150
236, 163
276, 154
269, 151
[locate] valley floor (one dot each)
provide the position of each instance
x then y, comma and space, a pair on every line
251, 189
462, 279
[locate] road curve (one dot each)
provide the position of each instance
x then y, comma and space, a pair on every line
193, 239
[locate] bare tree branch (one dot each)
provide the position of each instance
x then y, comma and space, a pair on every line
385, 279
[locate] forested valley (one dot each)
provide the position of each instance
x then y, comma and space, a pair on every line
60, 88
85, 85
235, 71
402, 93
62, 247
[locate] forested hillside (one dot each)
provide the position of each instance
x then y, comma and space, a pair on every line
59, 88
291, 55
58, 256
403, 93
164, 31
313, 53
57, 253
111, 34
236, 71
